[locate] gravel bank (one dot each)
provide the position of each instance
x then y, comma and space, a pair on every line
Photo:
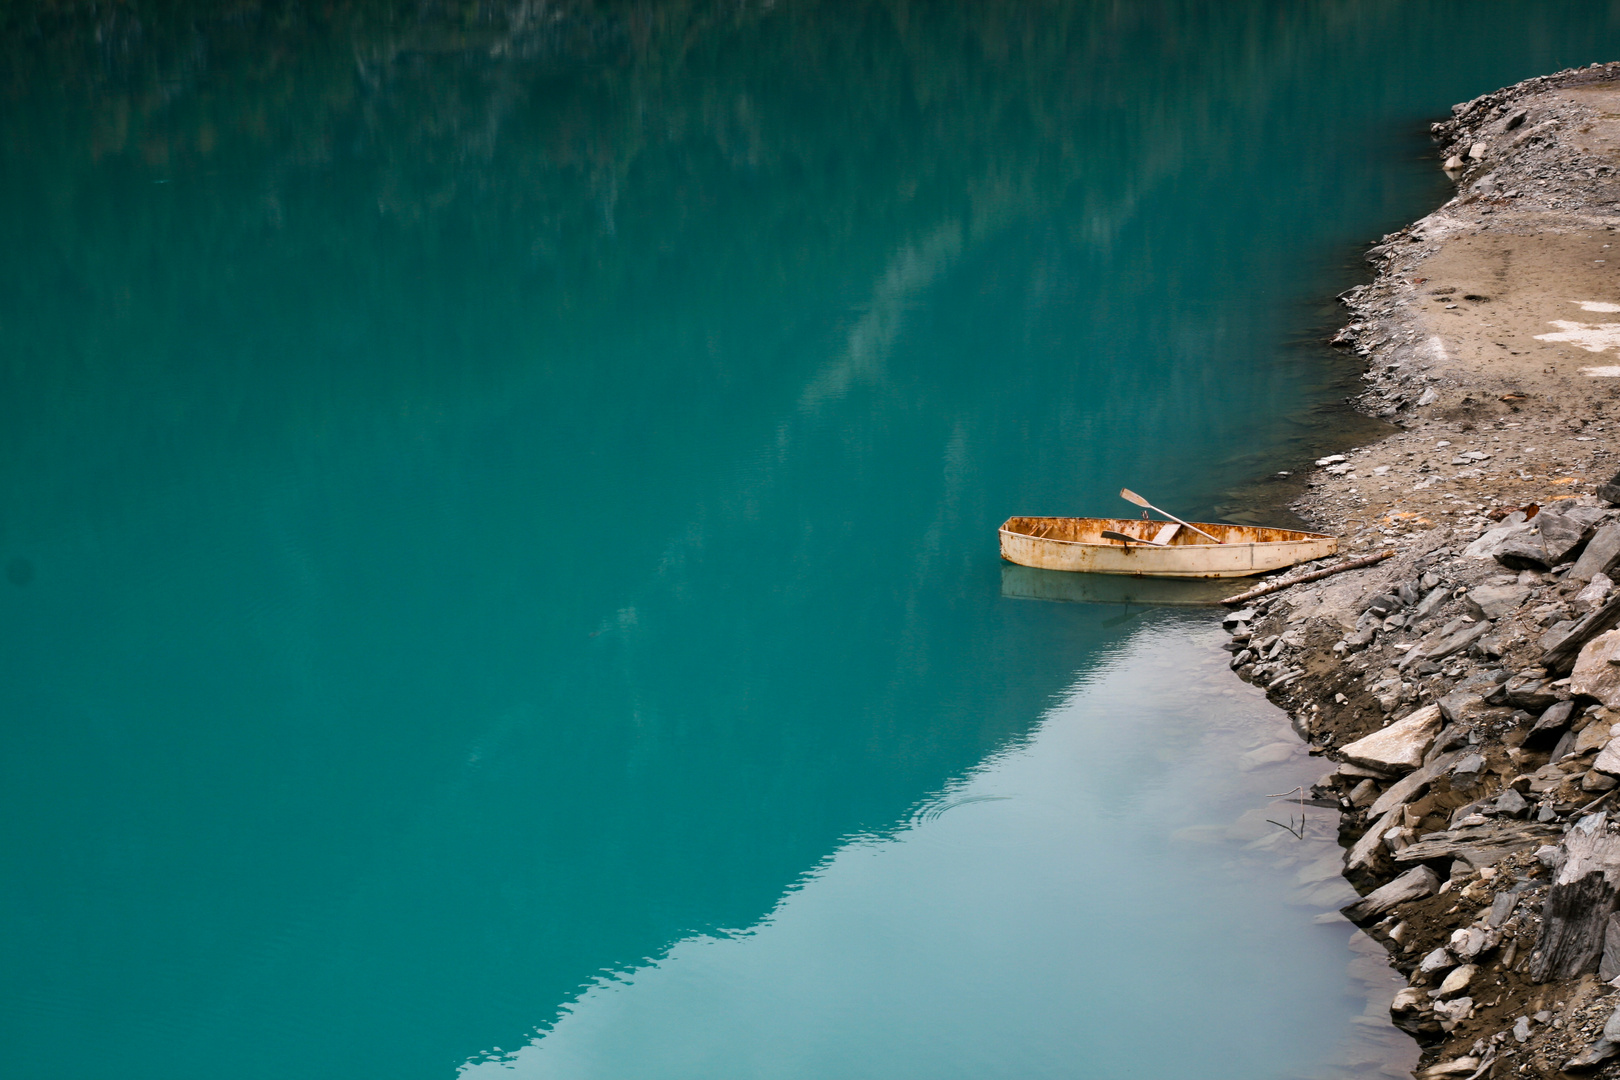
1463, 692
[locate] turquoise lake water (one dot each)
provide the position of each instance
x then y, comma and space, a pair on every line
499, 528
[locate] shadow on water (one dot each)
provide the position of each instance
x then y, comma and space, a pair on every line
514, 486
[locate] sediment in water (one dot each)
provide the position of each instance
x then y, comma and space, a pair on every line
1462, 693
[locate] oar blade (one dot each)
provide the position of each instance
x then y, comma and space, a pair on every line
1130, 496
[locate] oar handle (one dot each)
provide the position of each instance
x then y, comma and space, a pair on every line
1130, 496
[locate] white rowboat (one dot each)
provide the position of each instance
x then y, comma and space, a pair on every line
1160, 548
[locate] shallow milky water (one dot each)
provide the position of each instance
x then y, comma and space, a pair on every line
499, 530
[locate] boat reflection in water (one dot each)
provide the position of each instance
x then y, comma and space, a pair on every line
1030, 583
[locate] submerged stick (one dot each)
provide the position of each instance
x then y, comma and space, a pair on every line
1274, 586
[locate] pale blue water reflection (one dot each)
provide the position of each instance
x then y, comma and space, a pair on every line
1104, 899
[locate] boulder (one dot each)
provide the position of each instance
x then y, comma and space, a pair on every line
1410, 999
1575, 917
1550, 727
1608, 760
1591, 597
1600, 1051
1469, 696
1610, 492
1368, 859
1594, 736
1597, 670
1455, 1011
1457, 981
1563, 643
1454, 637
1529, 689
1412, 1011
1502, 909
1411, 786
1436, 961
1609, 966
1415, 884
1399, 747
1431, 602
1244, 616
1478, 844
1492, 541
1469, 943
1602, 554
1494, 601
1510, 804
1564, 534
1549, 538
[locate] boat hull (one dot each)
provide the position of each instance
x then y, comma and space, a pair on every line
1077, 545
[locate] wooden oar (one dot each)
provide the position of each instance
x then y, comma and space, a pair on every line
1130, 496
1109, 534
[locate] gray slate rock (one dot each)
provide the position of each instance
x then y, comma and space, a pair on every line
1415, 884
1563, 643
1502, 909
1436, 961
1445, 642
1511, 804
1579, 903
1492, 541
1430, 603
1478, 845
1399, 747
1563, 535
1610, 492
1602, 554
1494, 601
1551, 726
1411, 786
1530, 690
1368, 858
1546, 540
1609, 966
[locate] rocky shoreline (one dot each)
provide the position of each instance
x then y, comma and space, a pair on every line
1465, 689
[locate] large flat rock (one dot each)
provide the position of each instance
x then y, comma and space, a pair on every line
1597, 669
1415, 884
1399, 747
1601, 555
1479, 845
1494, 601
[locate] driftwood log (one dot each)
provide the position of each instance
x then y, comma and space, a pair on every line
1575, 918
1561, 653
1275, 586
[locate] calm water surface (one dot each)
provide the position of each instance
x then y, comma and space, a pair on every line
498, 528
